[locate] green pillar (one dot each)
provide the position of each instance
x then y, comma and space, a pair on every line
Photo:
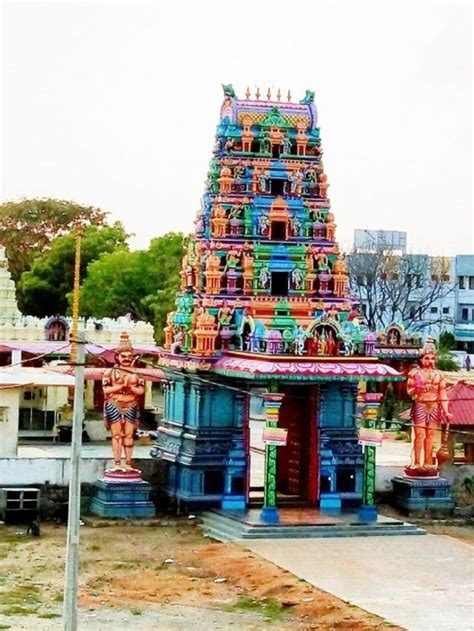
272, 403
368, 510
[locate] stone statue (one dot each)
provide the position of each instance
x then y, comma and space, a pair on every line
427, 388
122, 391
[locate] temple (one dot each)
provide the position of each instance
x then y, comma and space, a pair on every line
264, 309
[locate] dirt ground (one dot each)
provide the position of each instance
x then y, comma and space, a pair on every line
168, 577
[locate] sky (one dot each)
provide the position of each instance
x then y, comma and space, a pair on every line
116, 104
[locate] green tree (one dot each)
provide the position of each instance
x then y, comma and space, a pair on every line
143, 283
44, 289
29, 226
445, 360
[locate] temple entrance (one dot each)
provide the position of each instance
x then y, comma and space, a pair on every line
298, 461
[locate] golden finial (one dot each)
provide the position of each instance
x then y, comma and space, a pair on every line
257, 94
247, 94
279, 94
288, 96
269, 94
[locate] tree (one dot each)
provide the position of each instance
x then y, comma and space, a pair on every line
44, 289
143, 283
445, 359
29, 226
398, 289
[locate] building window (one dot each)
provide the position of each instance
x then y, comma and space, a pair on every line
213, 482
3, 415
461, 282
277, 187
464, 314
445, 310
433, 309
345, 480
279, 284
278, 231
471, 282
325, 483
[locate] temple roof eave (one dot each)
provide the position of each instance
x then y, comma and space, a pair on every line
298, 369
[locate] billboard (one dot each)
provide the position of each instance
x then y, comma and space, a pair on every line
379, 240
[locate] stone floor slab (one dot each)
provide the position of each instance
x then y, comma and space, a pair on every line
420, 583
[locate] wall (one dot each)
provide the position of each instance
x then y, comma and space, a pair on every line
55, 471
9, 398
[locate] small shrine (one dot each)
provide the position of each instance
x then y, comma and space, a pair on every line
264, 301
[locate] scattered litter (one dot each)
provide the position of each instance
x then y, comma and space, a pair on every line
206, 535
92, 615
81, 523
191, 568
95, 593
168, 561
221, 579
191, 516
307, 600
19, 534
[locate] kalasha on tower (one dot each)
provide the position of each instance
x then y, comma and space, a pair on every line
264, 300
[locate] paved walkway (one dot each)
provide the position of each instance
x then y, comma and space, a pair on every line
420, 583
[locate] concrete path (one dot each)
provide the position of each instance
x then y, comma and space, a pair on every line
420, 583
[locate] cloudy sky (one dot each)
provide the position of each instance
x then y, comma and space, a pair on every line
115, 105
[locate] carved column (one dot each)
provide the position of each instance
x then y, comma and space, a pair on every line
368, 510
272, 402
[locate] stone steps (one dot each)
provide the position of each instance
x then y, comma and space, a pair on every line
226, 529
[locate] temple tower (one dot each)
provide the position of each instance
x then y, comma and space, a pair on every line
264, 301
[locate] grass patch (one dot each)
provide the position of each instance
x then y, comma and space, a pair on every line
271, 609
18, 610
5, 626
21, 595
121, 565
49, 614
136, 612
58, 598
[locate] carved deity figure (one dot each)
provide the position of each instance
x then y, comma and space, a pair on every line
219, 222
341, 278
233, 259
330, 227
263, 225
296, 226
323, 184
264, 278
122, 391
427, 387
262, 181
300, 340
224, 315
225, 180
297, 278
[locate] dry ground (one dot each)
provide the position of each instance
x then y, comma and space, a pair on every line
169, 577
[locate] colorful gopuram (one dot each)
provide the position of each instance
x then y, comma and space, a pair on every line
264, 301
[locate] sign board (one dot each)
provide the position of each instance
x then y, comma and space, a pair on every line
380, 241
370, 437
275, 436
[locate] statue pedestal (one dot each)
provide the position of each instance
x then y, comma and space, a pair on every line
420, 495
122, 497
